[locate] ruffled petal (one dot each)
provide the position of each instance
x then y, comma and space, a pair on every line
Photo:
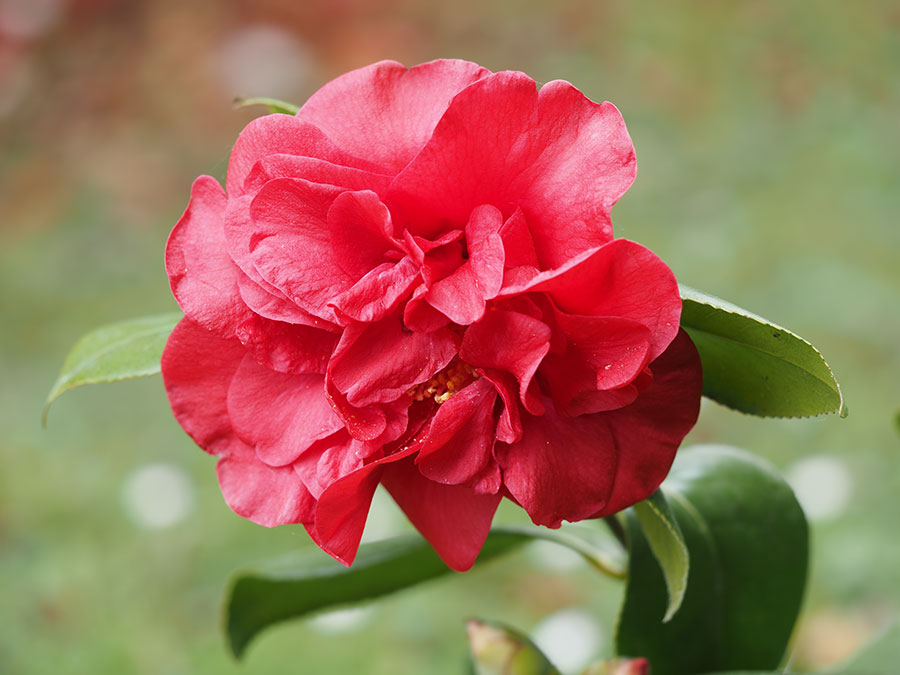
280, 415
378, 293
601, 353
202, 275
509, 425
361, 232
197, 369
314, 170
572, 468
377, 363
343, 506
266, 495
654, 425
577, 161
271, 303
457, 446
386, 112
285, 347
508, 341
291, 245
621, 279
454, 519
283, 135
467, 160
462, 295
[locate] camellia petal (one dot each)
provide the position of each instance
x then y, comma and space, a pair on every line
578, 160
459, 442
266, 495
197, 367
622, 279
509, 341
280, 415
454, 519
386, 112
202, 275
653, 426
466, 161
283, 135
378, 363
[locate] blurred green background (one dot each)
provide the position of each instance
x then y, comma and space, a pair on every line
767, 141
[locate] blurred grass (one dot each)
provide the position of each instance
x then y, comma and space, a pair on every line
767, 145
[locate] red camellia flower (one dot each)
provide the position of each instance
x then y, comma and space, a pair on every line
414, 282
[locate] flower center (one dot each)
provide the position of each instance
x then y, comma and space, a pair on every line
446, 383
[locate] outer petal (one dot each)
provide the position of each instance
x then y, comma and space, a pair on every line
621, 279
561, 158
281, 415
197, 369
343, 506
268, 496
466, 162
282, 134
454, 519
562, 468
385, 112
592, 465
578, 160
202, 275
653, 426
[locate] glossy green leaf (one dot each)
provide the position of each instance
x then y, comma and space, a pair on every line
752, 365
119, 351
748, 543
667, 544
500, 650
310, 581
273, 104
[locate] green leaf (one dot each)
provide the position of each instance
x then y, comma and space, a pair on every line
273, 104
310, 581
667, 544
748, 543
752, 365
499, 650
119, 351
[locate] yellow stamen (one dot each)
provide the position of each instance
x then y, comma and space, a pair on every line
445, 384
